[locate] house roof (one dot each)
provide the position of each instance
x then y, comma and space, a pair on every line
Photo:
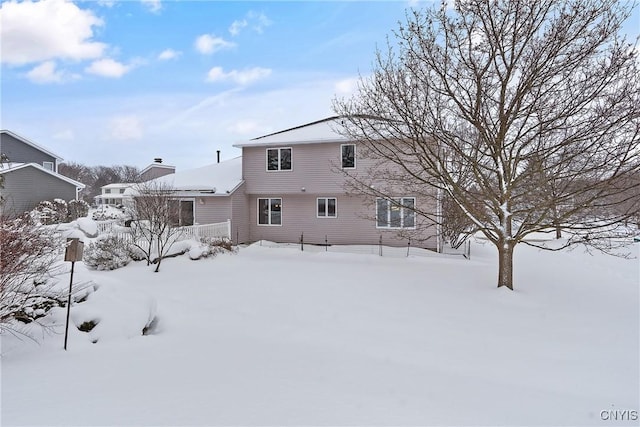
321, 131
10, 167
31, 143
118, 185
219, 179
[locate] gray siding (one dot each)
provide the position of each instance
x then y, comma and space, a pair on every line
19, 152
24, 188
354, 223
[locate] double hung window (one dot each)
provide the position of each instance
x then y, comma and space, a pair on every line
327, 207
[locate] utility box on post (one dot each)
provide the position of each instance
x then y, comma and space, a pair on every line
74, 250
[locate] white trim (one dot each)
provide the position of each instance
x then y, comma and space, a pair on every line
266, 152
354, 156
269, 214
389, 203
326, 208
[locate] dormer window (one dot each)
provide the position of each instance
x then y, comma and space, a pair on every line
348, 155
48, 165
279, 159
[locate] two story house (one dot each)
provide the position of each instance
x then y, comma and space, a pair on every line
295, 188
30, 175
289, 185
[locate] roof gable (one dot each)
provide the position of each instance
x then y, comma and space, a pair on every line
321, 131
31, 143
16, 166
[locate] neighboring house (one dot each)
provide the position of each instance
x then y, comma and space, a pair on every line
156, 170
294, 188
114, 194
121, 193
31, 175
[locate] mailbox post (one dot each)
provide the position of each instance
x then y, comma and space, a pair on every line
73, 253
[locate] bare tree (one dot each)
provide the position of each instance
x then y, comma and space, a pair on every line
526, 114
29, 258
156, 220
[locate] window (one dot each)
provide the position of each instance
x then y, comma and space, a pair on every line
122, 191
107, 191
47, 165
181, 212
270, 211
326, 207
348, 155
279, 159
396, 213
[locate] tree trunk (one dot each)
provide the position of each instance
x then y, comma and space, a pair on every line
505, 265
558, 232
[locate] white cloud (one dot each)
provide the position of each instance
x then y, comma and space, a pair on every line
107, 3
108, 68
167, 54
208, 44
244, 77
347, 86
237, 26
125, 128
45, 73
48, 29
153, 5
254, 20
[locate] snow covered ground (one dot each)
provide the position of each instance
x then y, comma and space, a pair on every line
275, 336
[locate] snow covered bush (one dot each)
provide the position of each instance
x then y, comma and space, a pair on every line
29, 259
210, 247
51, 212
107, 253
77, 209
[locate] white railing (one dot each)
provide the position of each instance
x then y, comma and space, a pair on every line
106, 226
218, 230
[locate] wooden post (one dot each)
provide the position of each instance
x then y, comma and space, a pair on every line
72, 253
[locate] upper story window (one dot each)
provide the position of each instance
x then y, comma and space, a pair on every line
348, 156
48, 165
279, 159
396, 213
107, 191
122, 191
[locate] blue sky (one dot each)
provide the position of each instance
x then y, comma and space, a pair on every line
122, 82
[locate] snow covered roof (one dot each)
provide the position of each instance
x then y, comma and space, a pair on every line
31, 143
219, 179
325, 130
9, 167
118, 185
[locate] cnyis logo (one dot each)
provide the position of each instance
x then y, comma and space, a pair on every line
619, 415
